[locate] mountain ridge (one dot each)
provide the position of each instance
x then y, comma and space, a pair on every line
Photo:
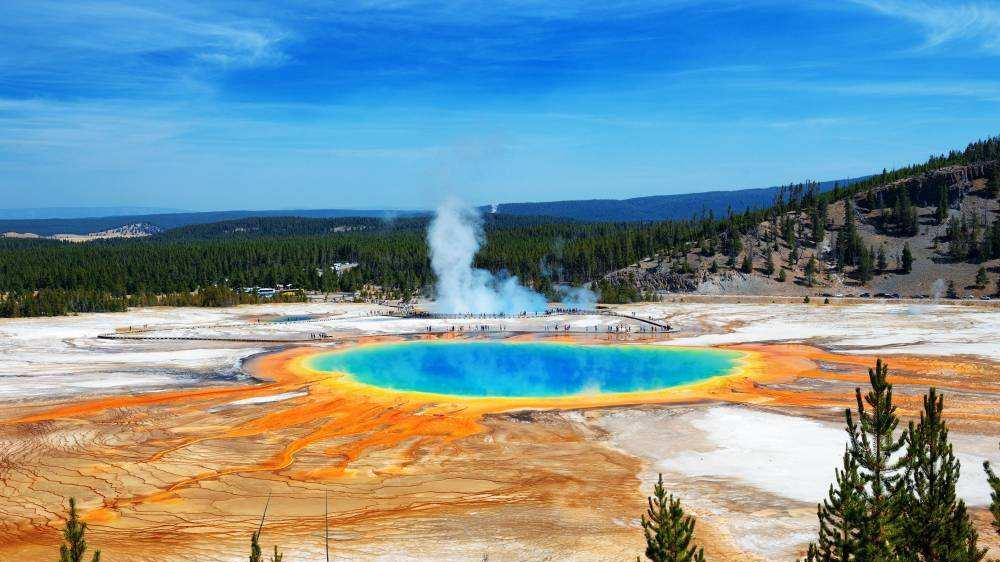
636, 209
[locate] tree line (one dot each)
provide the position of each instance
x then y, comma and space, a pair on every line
49, 277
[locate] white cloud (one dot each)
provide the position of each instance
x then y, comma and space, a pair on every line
126, 47
947, 21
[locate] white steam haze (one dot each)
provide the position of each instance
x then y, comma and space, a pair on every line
939, 288
580, 298
454, 237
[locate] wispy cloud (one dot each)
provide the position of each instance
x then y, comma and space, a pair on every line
947, 21
110, 46
809, 123
986, 90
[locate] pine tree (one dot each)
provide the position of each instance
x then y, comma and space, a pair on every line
782, 277
873, 445
819, 224
841, 516
865, 266
994, 481
942, 209
75, 545
952, 292
769, 265
981, 278
811, 271
993, 185
907, 259
883, 261
255, 553
933, 524
747, 265
668, 531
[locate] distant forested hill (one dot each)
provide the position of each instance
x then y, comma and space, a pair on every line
659, 207
654, 208
167, 221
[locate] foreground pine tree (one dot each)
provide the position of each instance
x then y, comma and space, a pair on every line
668, 531
873, 446
75, 545
934, 525
840, 517
994, 496
255, 553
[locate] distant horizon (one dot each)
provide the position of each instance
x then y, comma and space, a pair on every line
5, 212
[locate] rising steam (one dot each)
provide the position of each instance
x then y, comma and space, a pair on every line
454, 237
580, 298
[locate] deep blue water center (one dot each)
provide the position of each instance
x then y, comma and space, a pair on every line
525, 369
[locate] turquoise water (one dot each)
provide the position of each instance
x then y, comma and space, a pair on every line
292, 318
525, 369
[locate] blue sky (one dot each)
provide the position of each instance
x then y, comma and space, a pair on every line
395, 103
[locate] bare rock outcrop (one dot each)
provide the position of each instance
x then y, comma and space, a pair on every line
652, 279
924, 189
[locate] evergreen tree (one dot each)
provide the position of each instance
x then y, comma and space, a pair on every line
782, 277
952, 292
277, 556
849, 243
747, 265
994, 481
865, 266
904, 214
981, 278
841, 516
255, 553
75, 544
883, 261
942, 209
668, 531
811, 271
714, 267
819, 224
873, 445
907, 259
993, 185
934, 525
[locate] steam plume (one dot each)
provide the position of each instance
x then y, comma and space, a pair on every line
580, 298
454, 237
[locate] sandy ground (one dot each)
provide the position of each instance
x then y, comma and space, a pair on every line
172, 447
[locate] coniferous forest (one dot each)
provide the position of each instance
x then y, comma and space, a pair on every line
206, 265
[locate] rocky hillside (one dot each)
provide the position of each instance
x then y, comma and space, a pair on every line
944, 220
135, 230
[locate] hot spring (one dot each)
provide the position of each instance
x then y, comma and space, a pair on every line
503, 369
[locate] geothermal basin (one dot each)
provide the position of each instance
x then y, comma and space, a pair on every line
404, 434
505, 369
